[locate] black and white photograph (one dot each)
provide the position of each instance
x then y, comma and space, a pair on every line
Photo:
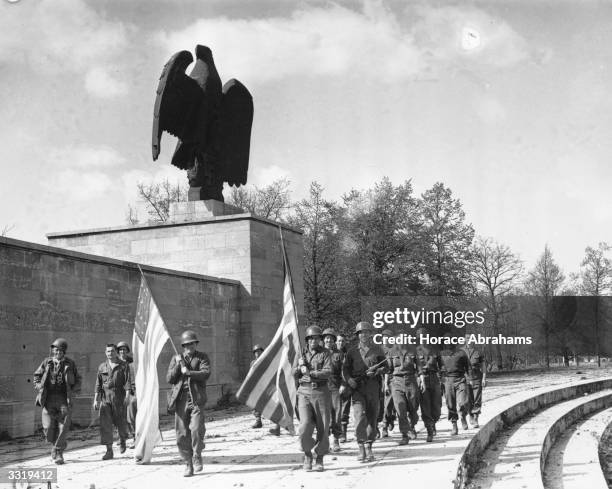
305, 244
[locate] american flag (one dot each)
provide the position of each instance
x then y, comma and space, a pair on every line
150, 336
270, 387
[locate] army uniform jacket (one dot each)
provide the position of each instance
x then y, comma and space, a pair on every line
67, 375
401, 363
359, 359
475, 362
198, 372
456, 363
428, 360
112, 383
335, 377
319, 366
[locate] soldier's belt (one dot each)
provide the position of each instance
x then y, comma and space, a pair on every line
314, 385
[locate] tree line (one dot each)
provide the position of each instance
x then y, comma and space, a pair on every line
388, 241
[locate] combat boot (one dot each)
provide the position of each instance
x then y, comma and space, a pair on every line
430, 434
369, 454
404, 440
319, 464
454, 430
464, 424
343, 435
275, 431
197, 463
385, 432
476, 425
59, 458
308, 462
109, 453
256, 424
362, 453
122, 446
336, 445
188, 469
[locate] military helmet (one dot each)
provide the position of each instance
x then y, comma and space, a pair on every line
189, 337
60, 343
313, 331
257, 347
123, 344
330, 332
387, 332
363, 326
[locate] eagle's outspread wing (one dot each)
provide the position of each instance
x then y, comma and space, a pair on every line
234, 132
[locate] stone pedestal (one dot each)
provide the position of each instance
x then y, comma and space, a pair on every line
210, 238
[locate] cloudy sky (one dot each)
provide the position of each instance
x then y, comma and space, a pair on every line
506, 102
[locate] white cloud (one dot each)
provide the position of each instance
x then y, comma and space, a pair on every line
372, 45
80, 186
261, 177
84, 157
62, 36
103, 84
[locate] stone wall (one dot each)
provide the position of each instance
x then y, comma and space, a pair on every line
47, 292
241, 247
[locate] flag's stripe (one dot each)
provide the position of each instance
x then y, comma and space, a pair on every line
270, 386
147, 348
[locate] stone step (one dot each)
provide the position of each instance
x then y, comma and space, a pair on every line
516, 459
573, 461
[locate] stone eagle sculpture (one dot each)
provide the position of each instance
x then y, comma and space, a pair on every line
212, 123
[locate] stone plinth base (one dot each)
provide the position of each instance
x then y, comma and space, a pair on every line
201, 209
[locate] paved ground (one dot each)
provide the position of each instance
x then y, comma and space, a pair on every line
237, 456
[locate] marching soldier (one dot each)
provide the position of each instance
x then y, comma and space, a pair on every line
131, 406
456, 366
429, 364
404, 389
334, 383
257, 351
57, 380
477, 380
112, 382
387, 408
188, 373
345, 391
314, 399
363, 366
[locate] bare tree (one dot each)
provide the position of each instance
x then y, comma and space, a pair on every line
157, 197
495, 271
545, 281
596, 280
6, 229
270, 202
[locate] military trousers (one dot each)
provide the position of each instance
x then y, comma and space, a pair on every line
475, 395
131, 408
366, 403
346, 408
56, 418
112, 413
457, 397
431, 399
189, 426
406, 397
336, 413
314, 406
